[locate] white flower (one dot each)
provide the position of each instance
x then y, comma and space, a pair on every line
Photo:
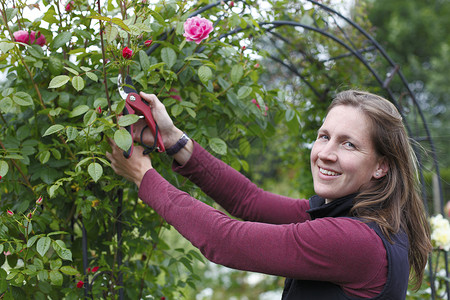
440, 232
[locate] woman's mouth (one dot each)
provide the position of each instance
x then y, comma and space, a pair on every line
328, 172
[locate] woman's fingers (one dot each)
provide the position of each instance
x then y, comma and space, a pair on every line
133, 168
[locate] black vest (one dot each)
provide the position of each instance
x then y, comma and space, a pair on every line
397, 255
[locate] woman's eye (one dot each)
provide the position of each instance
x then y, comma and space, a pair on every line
349, 144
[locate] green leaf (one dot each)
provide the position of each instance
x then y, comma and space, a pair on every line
92, 76
123, 139
58, 81
55, 65
120, 23
111, 33
4, 167
60, 40
95, 170
218, 146
236, 73
32, 240
51, 190
78, 83
144, 60
36, 51
22, 99
73, 71
68, 270
89, 117
128, 120
244, 92
204, 73
191, 112
72, 133
98, 17
244, 147
42, 276
49, 16
56, 277
168, 56
53, 129
290, 114
55, 264
62, 251
79, 110
176, 110
5, 46
43, 245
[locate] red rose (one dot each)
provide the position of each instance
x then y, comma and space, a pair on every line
147, 43
127, 53
94, 269
80, 284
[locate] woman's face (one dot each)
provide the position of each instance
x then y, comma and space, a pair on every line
343, 158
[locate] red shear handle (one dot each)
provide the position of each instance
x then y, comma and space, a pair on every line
135, 101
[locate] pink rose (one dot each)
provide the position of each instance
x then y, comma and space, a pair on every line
29, 38
197, 29
40, 38
22, 36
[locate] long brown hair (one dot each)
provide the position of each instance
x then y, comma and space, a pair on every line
392, 201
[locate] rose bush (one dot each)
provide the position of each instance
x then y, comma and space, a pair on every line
59, 103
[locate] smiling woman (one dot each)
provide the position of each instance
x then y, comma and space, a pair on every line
358, 238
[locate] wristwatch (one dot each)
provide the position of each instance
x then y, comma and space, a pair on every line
178, 145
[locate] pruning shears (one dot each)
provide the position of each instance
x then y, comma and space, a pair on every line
134, 104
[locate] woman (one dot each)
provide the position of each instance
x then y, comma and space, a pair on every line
358, 238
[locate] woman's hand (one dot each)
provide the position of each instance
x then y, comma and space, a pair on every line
170, 134
133, 168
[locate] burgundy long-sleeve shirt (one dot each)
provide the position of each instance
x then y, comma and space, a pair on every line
277, 237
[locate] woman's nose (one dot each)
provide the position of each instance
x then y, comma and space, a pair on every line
328, 152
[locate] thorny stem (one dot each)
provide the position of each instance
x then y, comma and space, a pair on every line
148, 258
28, 184
105, 81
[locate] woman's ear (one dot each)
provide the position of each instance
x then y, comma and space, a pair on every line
382, 168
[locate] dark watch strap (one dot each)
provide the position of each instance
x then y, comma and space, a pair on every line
179, 145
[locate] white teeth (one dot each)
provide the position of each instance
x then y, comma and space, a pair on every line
329, 173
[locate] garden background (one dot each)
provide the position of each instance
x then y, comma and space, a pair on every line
70, 228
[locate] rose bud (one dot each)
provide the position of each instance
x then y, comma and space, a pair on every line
147, 43
10, 213
39, 200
